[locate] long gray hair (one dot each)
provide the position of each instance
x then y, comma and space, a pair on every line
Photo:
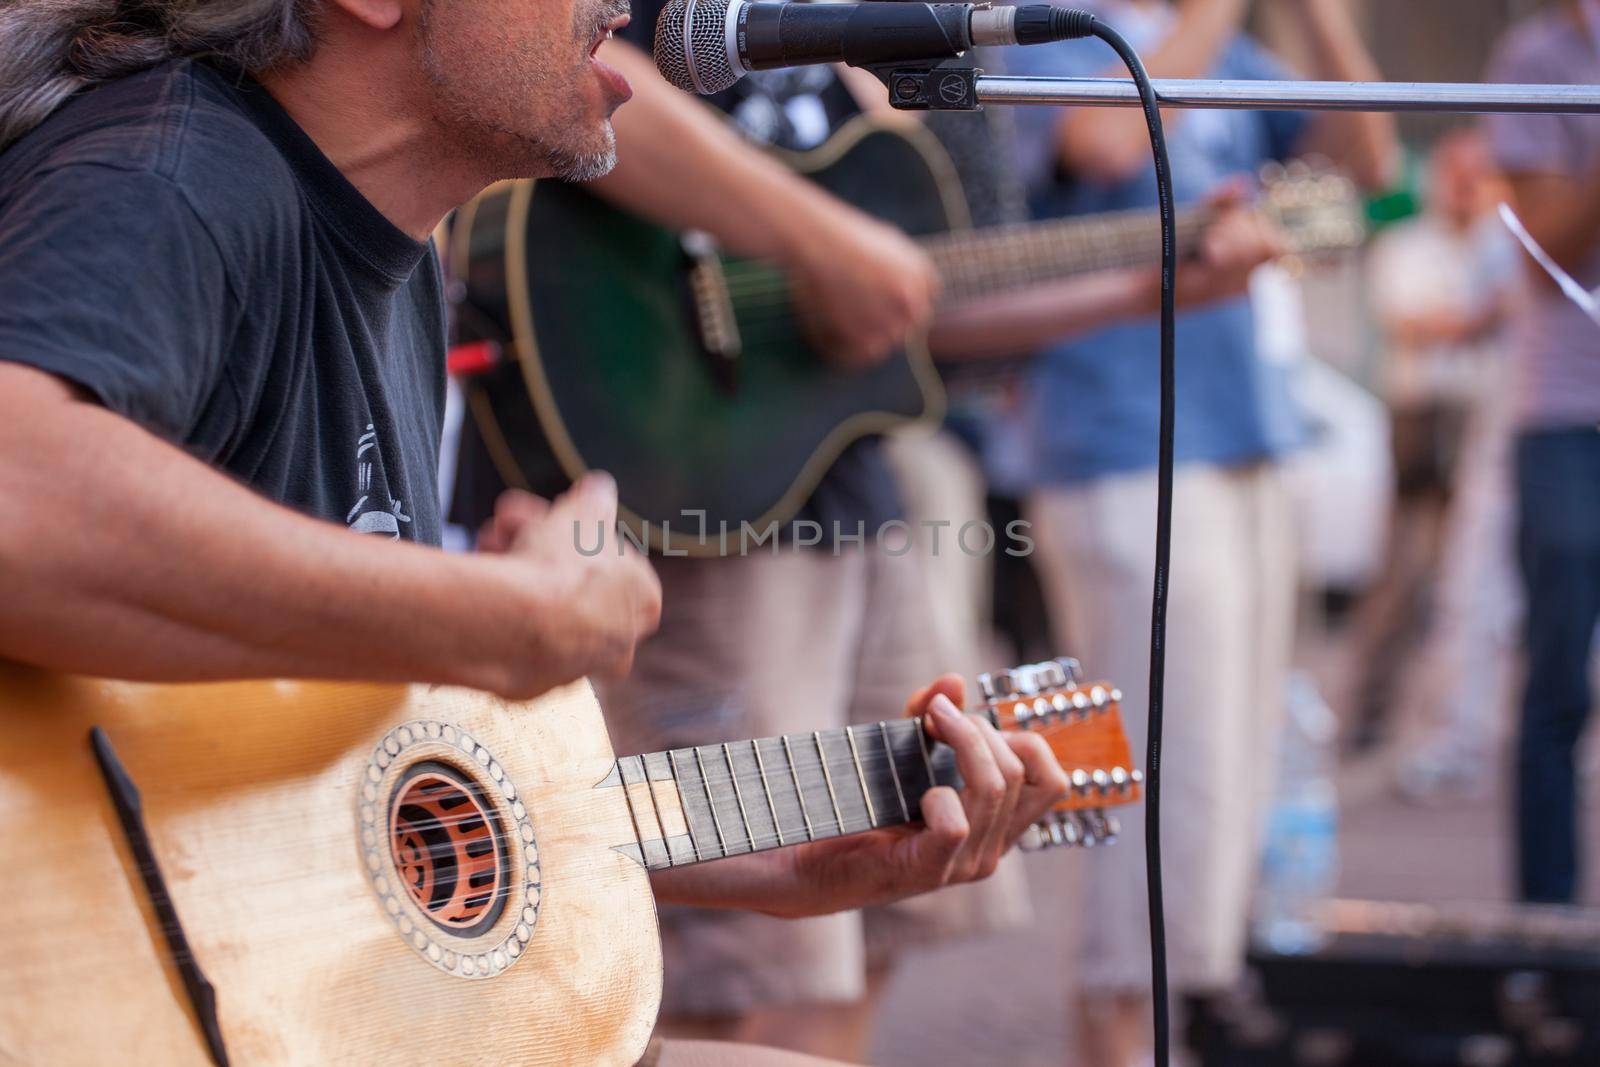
51, 49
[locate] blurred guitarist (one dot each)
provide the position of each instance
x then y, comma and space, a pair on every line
222, 340
746, 642
1094, 488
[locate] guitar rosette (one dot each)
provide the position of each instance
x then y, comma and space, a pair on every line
449, 849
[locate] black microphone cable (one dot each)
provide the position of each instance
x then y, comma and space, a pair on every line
1164, 474
1084, 24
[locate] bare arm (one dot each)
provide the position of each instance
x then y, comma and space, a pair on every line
123, 556
1364, 143
1020, 323
1110, 144
860, 283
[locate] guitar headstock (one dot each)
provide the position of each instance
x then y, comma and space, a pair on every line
1320, 210
1082, 723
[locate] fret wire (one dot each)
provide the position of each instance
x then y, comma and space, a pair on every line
827, 776
672, 761
849, 735
655, 808
800, 794
927, 758
627, 794
766, 787
738, 795
711, 801
894, 772
1005, 256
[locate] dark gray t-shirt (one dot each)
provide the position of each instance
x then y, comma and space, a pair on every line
176, 245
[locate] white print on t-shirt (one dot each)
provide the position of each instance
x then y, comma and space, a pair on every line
384, 523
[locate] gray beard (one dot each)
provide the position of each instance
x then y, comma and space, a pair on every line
570, 167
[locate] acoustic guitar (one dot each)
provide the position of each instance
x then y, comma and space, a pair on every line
294, 873
688, 374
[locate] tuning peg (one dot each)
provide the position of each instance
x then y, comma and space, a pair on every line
1104, 828
1080, 701
1136, 776
1102, 781
1119, 779
1086, 831
1050, 676
1070, 835
1099, 697
1036, 839
1080, 780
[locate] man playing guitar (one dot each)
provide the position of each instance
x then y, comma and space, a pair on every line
222, 335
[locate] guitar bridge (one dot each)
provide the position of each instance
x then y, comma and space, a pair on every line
129, 807
713, 310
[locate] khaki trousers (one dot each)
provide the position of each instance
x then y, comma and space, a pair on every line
1230, 632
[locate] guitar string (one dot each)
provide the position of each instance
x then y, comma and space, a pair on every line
1000, 252
872, 755
752, 841
1032, 239
811, 771
820, 830
775, 300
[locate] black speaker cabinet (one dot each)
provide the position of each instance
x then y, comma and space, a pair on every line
1418, 986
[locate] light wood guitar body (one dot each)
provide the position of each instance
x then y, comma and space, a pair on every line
251, 801
332, 874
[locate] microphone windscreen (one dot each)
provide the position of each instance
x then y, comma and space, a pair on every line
691, 46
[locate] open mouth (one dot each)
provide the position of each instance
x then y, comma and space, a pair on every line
605, 33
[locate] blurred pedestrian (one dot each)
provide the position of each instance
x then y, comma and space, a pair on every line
1438, 285
1094, 503
1553, 164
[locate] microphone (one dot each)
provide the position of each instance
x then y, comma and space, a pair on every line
704, 46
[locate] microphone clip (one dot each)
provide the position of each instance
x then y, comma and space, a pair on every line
931, 86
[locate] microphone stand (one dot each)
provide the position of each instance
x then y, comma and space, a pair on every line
933, 86
1462, 98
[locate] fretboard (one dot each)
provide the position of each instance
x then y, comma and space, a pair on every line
998, 259
749, 796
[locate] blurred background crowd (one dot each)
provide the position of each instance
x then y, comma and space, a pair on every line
1386, 586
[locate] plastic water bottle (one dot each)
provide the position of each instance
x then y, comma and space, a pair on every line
1300, 861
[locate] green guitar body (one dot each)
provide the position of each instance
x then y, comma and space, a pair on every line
607, 366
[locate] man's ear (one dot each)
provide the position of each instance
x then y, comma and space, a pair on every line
376, 14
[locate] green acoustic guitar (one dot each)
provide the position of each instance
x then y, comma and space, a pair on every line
686, 373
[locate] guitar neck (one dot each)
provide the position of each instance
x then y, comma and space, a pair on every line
981, 262
690, 805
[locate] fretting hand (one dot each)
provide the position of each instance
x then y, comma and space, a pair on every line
1010, 781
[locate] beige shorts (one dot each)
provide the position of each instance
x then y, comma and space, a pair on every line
771, 644
1230, 631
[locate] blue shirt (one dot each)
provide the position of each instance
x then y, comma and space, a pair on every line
1096, 398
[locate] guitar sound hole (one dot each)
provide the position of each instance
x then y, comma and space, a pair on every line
448, 849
